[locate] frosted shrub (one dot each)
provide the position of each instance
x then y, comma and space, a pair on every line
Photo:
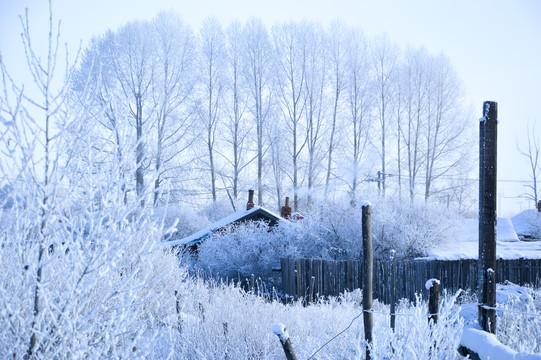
105, 288
410, 228
182, 221
242, 250
221, 321
534, 224
519, 322
328, 231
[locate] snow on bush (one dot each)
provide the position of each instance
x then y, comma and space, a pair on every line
88, 284
534, 224
242, 250
328, 231
519, 320
225, 322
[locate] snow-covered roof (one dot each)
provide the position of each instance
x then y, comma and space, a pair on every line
241, 215
466, 246
523, 222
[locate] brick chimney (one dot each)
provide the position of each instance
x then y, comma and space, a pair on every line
250, 203
286, 210
539, 206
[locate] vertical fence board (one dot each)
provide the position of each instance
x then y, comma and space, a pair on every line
334, 277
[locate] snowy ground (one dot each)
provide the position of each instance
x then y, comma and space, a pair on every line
508, 246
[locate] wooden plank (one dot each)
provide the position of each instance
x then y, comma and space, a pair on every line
292, 278
284, 275
335, 277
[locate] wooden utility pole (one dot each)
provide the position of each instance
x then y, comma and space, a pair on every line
487, 215
367, 276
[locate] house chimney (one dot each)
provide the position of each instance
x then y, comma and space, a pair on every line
539, 206
250, 203
286, 210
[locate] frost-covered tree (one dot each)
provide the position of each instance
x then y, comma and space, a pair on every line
415, 104
236, 124
446, 137
317, 75
290, 45
337, 53
172, 85
259, 72
359, 91
212, 52
384, 59
81, 273
133, 62
121, 66
531, 151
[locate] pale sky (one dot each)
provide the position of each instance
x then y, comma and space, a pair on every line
495, 46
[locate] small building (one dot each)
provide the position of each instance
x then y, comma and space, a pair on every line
251, 213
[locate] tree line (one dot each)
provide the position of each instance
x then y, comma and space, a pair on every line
297, 108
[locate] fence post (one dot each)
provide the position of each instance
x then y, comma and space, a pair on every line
393, 289
280, 331
178, 311
226, 332
433, 286
487, 213
367, 275
312, 285
201, 312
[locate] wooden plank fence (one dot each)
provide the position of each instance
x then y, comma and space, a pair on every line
310, 278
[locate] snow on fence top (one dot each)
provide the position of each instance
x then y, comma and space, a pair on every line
431, 283
365, 203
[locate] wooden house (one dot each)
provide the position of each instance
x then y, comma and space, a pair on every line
251, 213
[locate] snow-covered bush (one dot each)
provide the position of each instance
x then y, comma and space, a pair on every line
242, 250
88, 284
533, 219
410, 228
221, 321
519, 320
328, 231
83, 273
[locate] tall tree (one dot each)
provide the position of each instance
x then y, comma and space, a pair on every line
237, 127
531, 153
337, 55
172, 85
384, 57
291, 47
317, 75
259, 72
359, 89
415, 99
212, 53
133, 64
445, 129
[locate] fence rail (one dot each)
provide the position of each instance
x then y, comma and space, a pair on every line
309, 278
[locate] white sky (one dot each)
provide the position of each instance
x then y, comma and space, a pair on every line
495, 46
